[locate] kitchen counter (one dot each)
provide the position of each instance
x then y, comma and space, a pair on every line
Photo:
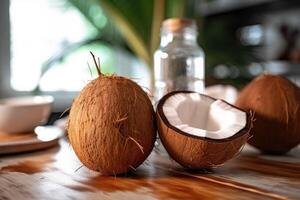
56, 173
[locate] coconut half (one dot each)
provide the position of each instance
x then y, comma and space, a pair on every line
199, 131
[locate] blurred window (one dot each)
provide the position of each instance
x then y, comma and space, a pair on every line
42, 29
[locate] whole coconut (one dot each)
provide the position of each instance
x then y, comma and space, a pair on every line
275, 102
112, 125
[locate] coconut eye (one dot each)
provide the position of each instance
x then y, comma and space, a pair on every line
189, 120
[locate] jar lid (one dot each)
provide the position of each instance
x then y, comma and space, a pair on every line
178, 24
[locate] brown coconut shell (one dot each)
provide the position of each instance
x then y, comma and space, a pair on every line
112, 125
198, 152
276, 104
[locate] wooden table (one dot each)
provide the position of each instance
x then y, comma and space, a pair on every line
56, 173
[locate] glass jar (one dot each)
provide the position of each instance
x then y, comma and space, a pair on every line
179, 61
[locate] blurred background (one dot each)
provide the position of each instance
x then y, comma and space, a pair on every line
45, 44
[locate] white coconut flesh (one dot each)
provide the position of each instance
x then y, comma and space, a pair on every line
202, 116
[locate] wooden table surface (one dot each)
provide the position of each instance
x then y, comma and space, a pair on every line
56, 173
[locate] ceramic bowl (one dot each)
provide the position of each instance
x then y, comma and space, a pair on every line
23, 114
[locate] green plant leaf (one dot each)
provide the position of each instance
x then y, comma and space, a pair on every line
175, 8
133, 22
88, 10
158, 17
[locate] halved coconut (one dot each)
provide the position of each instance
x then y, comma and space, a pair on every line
199, 131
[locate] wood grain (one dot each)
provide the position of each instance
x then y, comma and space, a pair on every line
58, 174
